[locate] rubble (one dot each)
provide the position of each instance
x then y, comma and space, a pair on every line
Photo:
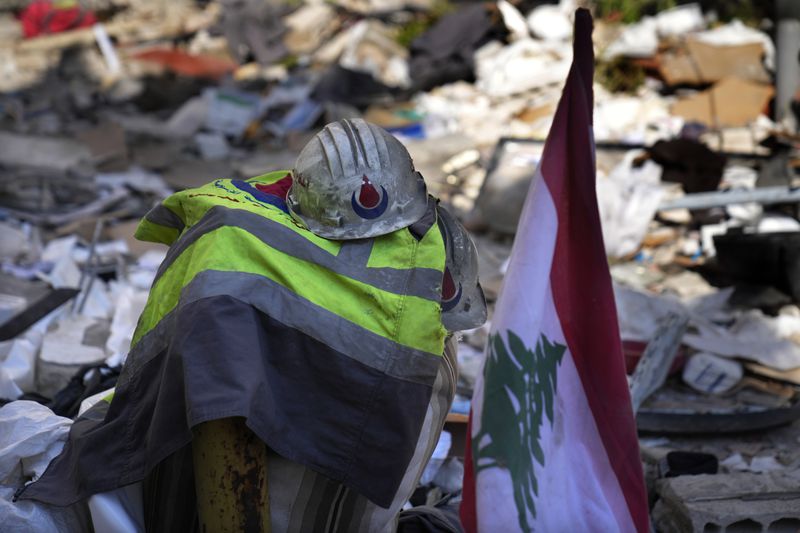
696, 178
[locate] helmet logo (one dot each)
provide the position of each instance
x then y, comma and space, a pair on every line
368, 202
451, 293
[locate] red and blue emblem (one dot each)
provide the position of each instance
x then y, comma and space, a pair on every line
369, 202
451, 293
272, 194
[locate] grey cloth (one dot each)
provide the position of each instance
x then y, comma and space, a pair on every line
303, 500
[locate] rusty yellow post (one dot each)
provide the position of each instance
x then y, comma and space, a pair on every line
230, 468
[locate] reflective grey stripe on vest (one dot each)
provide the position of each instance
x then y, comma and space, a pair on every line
163, 216
296, 312
422, 282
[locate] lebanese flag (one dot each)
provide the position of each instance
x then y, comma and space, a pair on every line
553, 442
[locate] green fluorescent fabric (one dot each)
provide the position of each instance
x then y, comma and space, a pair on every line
394, 294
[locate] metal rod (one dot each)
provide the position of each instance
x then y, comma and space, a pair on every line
705, 200
87, 271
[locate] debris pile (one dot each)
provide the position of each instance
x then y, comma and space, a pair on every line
108, 106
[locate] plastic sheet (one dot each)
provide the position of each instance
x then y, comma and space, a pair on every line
628, 199
30, 437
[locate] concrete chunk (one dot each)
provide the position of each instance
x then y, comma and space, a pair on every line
726, 503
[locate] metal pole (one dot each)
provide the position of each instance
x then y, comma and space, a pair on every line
230, 469
706, 200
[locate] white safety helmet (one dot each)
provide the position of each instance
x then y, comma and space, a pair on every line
463, 301
354, 180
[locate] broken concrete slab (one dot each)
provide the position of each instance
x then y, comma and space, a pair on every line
728, 502
196, 172
75, 341
107, 145
59, 154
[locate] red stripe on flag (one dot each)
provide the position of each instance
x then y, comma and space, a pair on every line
467, 511
580, 278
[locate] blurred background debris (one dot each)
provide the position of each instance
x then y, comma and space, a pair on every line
108, 106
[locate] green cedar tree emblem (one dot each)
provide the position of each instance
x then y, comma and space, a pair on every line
520, 385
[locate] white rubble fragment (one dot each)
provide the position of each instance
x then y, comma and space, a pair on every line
106, 250
711, 374
142, 274
371, 48
64, 274
98, 304
691, 245
60, 253
63, 353
636, 40
770, 341
640, 313
514, 21
368, 46
680, 20
774, 223
640, 119
760, 464
737, 177
520, 66
18, 356
137, 178
58, 248
743, 139
765, 463
552, 22
461, 108
674, 191
735, 462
